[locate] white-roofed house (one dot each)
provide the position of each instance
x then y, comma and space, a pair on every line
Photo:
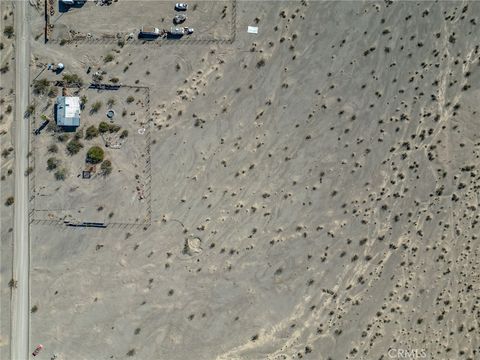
68, 112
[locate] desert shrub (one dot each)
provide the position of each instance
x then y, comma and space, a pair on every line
114, 80
30, 110
124, 134
96, 106
28, 171
72, 79
91, 132
111, 102
8, 110
260, 63
114, 128
83, 100
103, 127
8, 31
52, 92
130, 99
53, 148
131, 352
62, 137
34, 309
79, 134
40, 86
74, 146
10, 200
106, 167
52, 163
61, 174
95, 155
108, 58
4, 69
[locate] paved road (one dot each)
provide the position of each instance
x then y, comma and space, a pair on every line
21, 256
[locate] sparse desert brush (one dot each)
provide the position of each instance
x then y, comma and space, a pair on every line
96, 106
103, 127
131, 352
106, 167
91, 132
74, 146
62, 137
8, 31
52, 163
72, 79
109, 57
10, 200
130, 99
40, 86
61, 174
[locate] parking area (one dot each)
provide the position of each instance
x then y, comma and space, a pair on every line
211, 20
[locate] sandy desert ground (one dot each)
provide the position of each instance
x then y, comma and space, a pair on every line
314, 193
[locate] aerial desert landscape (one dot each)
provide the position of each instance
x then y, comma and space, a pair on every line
307, 190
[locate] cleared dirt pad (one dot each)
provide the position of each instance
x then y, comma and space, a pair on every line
210, 19
79, 199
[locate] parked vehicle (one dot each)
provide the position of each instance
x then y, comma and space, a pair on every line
178, 19
149, 32
37, 349
181, 6
180, 31
41, 127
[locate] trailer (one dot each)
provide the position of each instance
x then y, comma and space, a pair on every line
41, 127
149, 32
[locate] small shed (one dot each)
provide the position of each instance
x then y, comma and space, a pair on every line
68, 112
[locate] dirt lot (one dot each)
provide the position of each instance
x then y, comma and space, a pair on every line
314, 193
210, 19
77, 199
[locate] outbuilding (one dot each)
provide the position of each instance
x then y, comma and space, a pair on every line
68, 112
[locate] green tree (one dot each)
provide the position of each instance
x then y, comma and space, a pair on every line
95, 155
124, 134
10, 200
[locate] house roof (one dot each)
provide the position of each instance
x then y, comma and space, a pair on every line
68, 111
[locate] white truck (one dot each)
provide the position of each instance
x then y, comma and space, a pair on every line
180, 31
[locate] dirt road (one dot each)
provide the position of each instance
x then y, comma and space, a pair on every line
20, 301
